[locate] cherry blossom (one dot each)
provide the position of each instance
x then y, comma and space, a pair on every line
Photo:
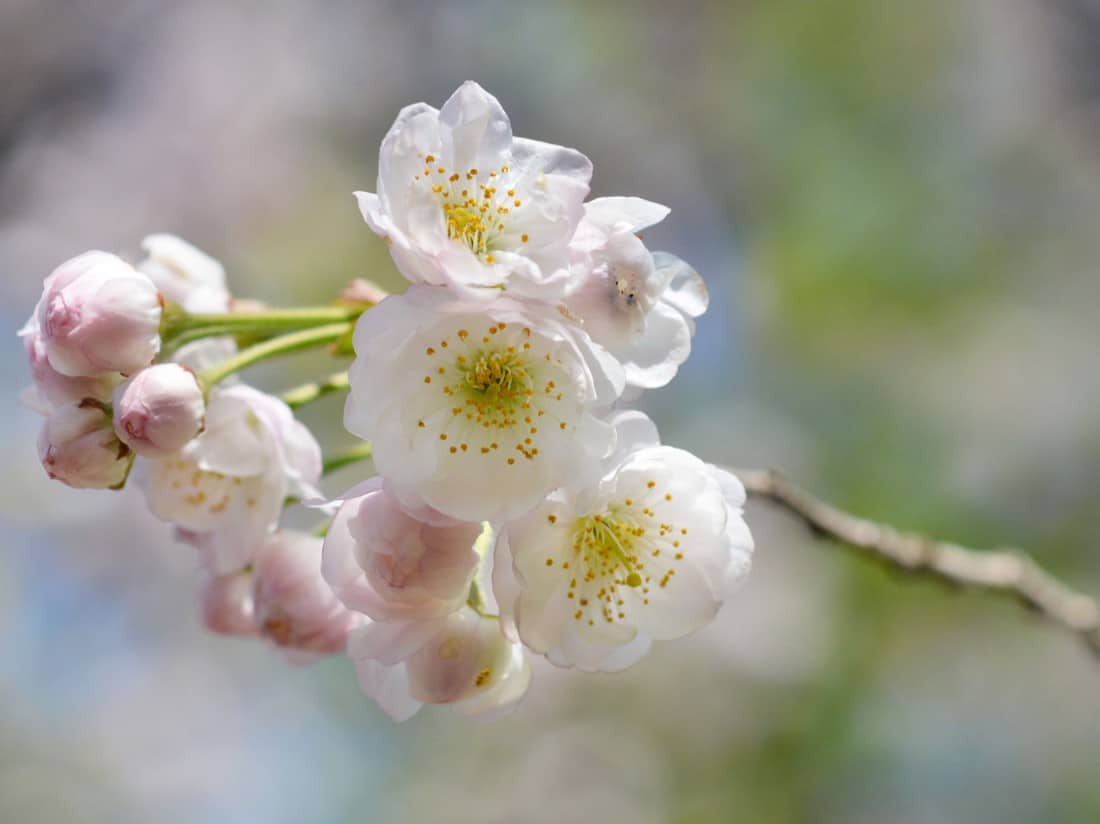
98, 315
78, 446
392, 564
650, 552
293, 607
159, 410
478, 408
229, 483
461, 660
463, 203
638, 305
185, 274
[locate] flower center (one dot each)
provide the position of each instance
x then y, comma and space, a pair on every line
616, 558
476, 212
500, 390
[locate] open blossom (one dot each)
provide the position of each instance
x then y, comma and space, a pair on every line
293, 606
648, 553
228, 485
461, 202
78, 446
462, 660
98, 315
158, 410
637, 304
392, 564
478, 408
185, 274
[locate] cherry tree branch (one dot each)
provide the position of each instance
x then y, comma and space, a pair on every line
1007, 572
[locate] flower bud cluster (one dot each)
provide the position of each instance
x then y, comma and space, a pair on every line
518, 507
91, 345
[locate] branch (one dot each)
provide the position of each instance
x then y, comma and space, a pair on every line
1007, 572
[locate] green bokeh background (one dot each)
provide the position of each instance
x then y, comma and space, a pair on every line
894, 205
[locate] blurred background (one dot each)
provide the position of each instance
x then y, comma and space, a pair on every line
895, 206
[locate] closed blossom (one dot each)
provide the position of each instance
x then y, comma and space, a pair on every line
99, 315
461, 660
391, 563
77, 445
159, 410
293, 607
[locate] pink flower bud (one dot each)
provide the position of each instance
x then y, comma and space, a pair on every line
51, 388
78, 447
99, 315
294, 607
225, 603
159, 410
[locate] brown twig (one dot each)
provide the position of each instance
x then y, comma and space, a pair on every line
1007, 572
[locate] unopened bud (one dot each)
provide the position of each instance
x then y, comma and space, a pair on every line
78, 447
159, 410
99, 315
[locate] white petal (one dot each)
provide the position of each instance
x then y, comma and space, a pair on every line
686, 290
476, 133
624, 214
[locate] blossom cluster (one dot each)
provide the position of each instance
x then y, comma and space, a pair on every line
519, 506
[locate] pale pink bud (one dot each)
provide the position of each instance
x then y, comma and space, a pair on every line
99, 315
294, 608
78, 447
159, 410
225, 603
393, 564
51, 388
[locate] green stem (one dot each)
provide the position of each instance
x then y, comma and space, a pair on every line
179, 327
276, 347
309, 392
273, 319
359, 452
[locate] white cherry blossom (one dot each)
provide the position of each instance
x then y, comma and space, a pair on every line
461, 202
461, 660
392, 564
478, 408
98, 315
596, 573
228, 485
638, 305
185, 274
